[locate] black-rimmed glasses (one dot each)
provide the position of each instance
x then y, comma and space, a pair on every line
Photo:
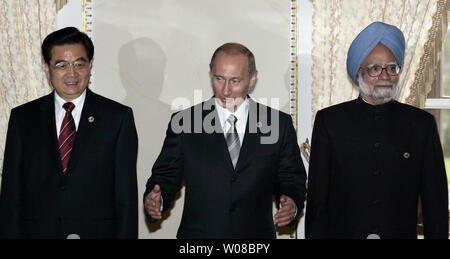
376, 70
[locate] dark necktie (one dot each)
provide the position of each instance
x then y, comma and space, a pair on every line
232, 139
66, 136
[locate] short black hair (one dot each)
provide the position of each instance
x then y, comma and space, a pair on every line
233, 48
68, 35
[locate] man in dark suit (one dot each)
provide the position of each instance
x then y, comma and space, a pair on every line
234, 155
70, 158
373, 158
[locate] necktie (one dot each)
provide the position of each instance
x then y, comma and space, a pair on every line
66, 136
232, 139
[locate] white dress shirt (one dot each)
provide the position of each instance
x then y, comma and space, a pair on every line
241, 114
60, 112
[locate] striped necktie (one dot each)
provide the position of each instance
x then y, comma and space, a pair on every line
66, 136
232, 139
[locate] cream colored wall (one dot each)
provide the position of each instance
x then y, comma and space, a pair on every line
153, 55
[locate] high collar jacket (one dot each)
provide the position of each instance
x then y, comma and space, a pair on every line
368, 167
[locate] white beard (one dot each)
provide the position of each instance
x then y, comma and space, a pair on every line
380, 95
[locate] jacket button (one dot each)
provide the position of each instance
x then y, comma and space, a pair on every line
233, 179
73, 236
63, 188
373, 236
377, 145
377, 172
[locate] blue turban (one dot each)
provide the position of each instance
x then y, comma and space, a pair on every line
377, 32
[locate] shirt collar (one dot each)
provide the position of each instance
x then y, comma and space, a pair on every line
224, 113
59, 102
374, 109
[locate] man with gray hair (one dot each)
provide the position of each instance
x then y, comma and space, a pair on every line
373, 158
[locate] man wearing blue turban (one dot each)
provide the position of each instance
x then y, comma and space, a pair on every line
373, 158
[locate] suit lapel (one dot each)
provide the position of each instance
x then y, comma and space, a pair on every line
85, 128
48, 128
215, 144
250, 143
216, 141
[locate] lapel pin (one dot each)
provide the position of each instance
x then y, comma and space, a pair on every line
259, 124
406, 155
91, 119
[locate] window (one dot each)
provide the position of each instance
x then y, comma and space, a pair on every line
438, 102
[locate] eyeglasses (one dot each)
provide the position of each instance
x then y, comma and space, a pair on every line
376, 70
77, 65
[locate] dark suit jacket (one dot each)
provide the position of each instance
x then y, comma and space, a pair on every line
221, 202
369, 165
97, 198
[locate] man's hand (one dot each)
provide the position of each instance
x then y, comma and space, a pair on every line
286, 213
153, 202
